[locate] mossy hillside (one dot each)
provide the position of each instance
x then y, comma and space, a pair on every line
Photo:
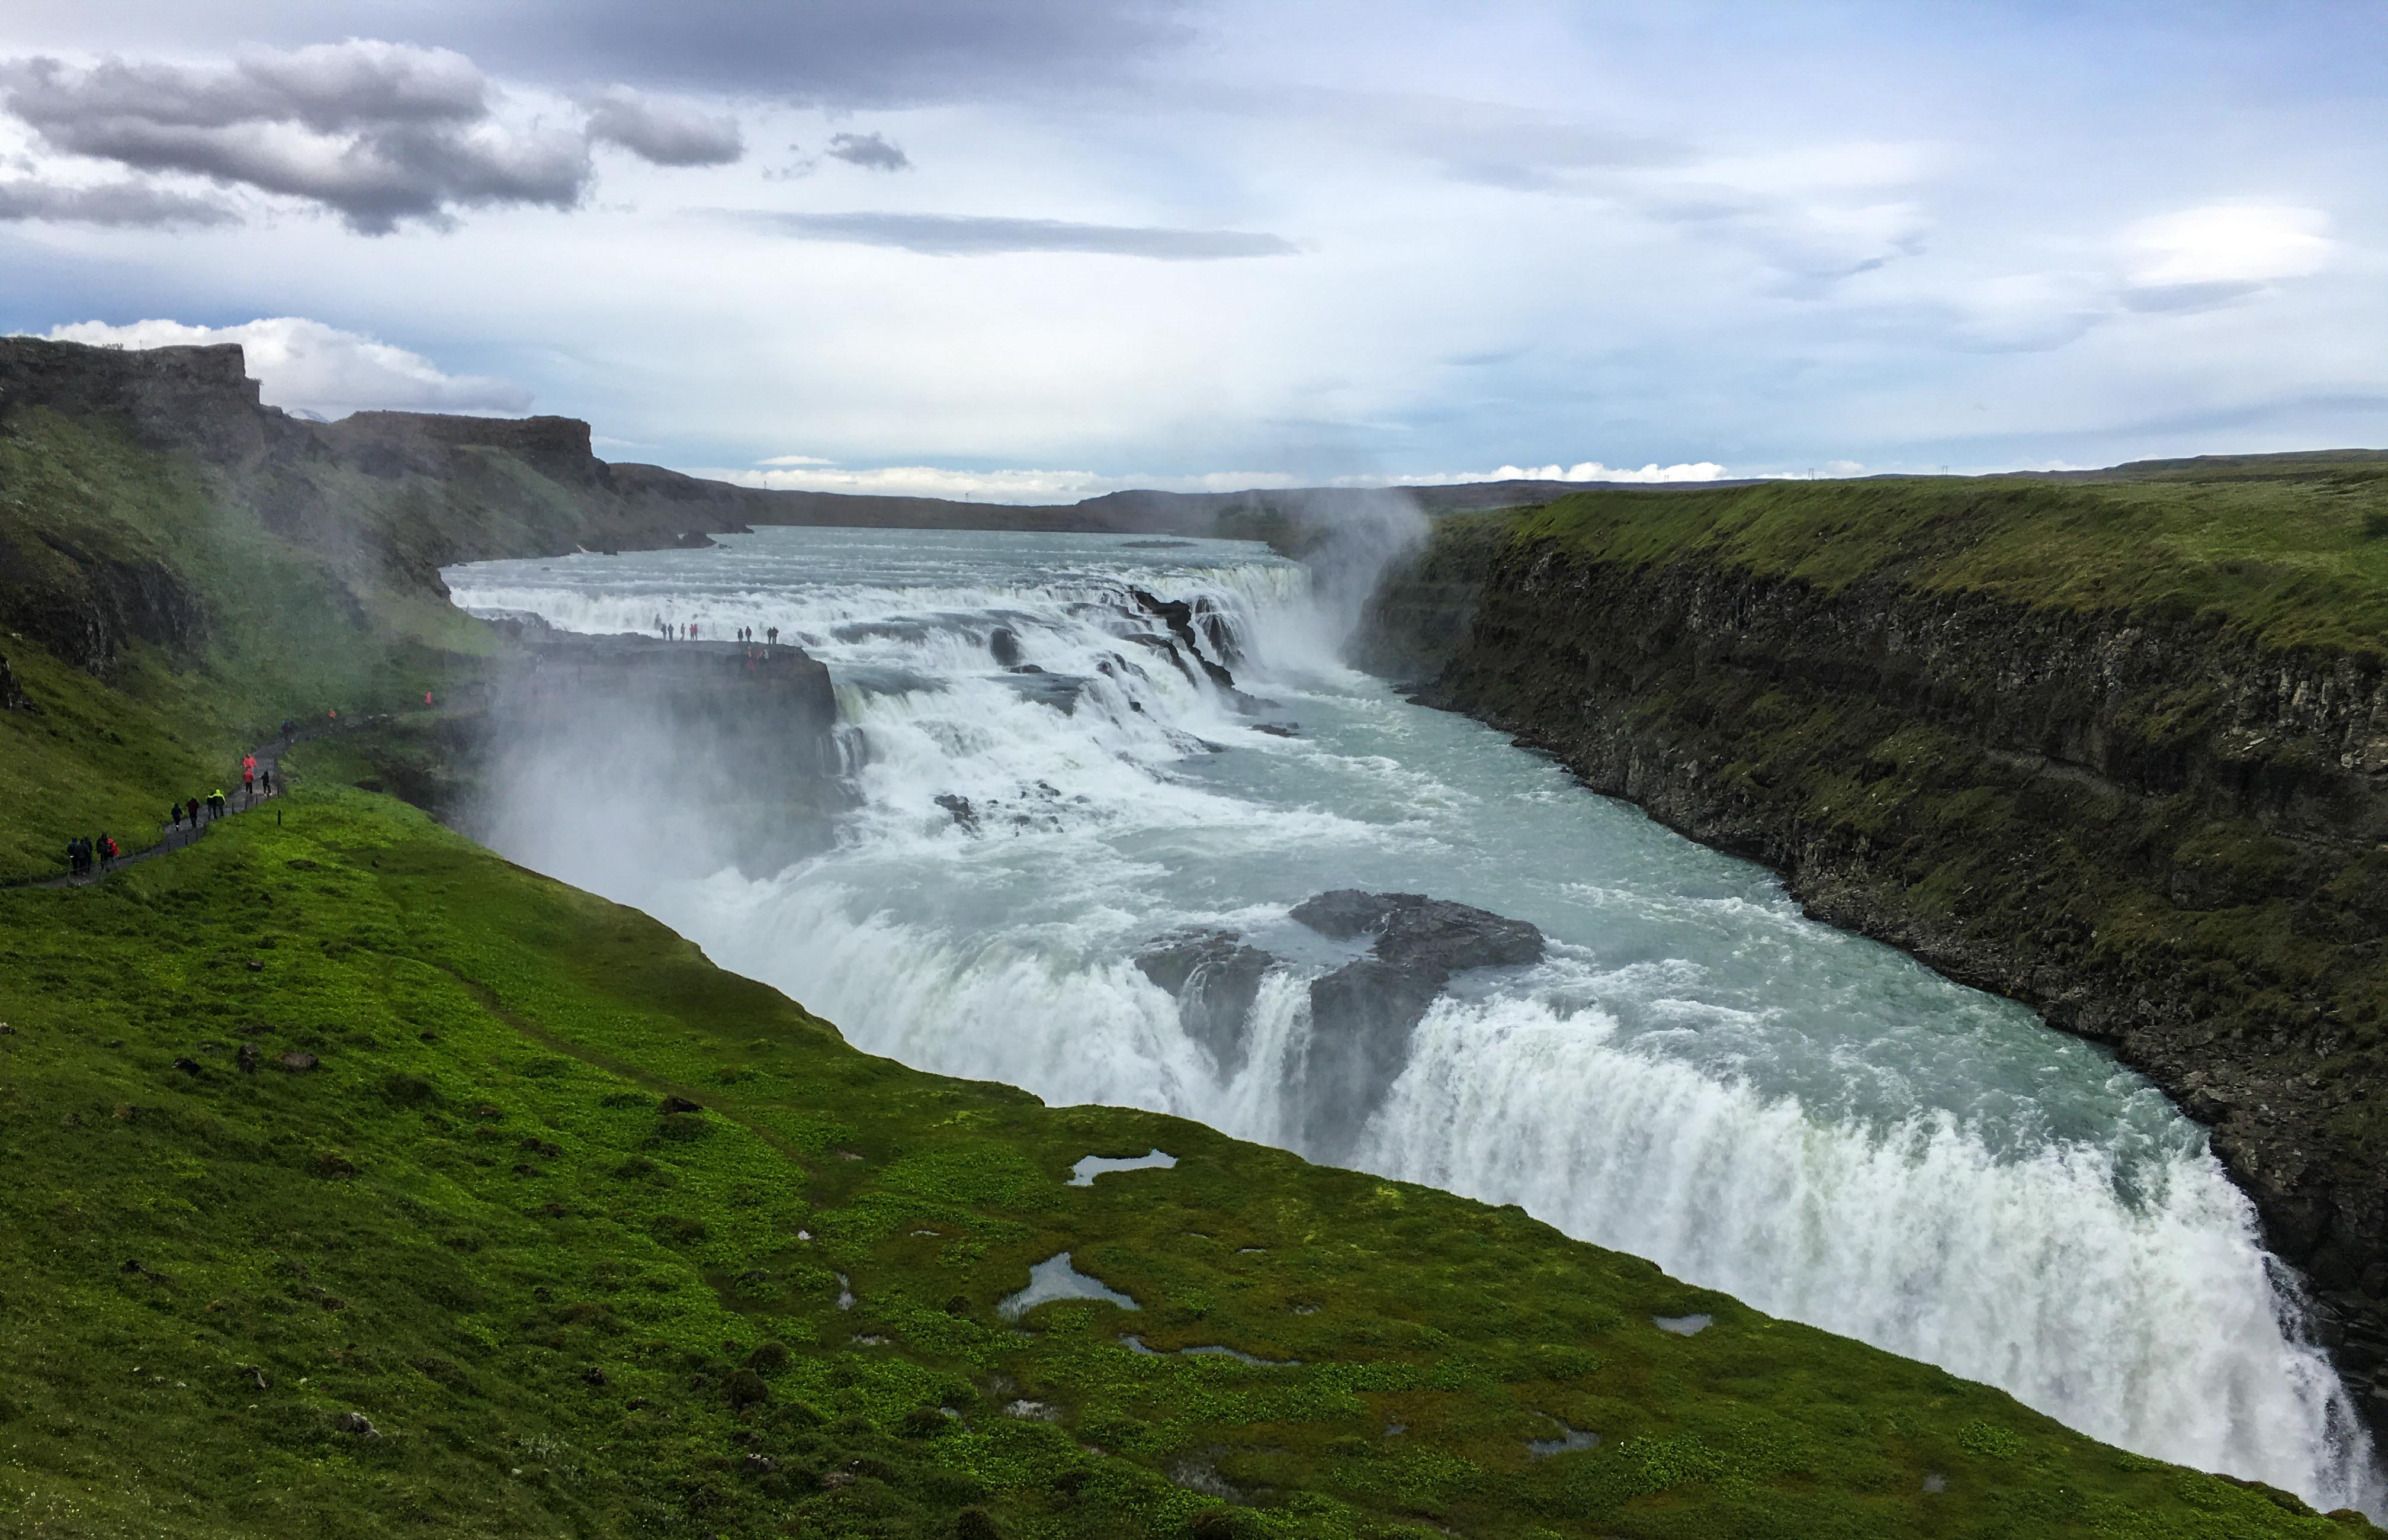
2295, 557
472, 1222
266, 624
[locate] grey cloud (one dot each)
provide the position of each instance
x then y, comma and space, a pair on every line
2180, 299
663, 133
1489, 144
1485, 361
869, 151
329, 87
833, 53
116, 203
378, 131
978, 235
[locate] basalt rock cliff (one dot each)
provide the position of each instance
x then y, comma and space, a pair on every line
2162, 829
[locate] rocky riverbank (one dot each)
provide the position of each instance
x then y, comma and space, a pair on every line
2157, 830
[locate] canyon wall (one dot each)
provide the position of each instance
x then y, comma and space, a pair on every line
2160, 831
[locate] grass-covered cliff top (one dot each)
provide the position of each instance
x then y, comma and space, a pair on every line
2291, 549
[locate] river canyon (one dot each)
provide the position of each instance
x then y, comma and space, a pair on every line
1089, 784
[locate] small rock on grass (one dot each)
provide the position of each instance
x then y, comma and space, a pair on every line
299, 1063
681, 1104
358, 1423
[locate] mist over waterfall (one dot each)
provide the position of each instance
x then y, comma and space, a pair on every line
1084, 784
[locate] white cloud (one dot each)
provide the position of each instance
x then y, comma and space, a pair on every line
799, 473
307, 366
1589, 469
803, 473
796, 459
2232, 243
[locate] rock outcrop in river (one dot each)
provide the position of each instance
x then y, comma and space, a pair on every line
1361, 1015
695, 754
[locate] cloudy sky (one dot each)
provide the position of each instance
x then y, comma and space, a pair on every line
1041, 248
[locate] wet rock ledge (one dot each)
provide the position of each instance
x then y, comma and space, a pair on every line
1363, 1015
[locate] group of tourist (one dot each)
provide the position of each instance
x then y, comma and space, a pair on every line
686, 631
87, 855
99, 852
201, 811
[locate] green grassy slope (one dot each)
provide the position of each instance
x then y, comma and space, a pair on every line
286, 623
558, 1304
2295, 557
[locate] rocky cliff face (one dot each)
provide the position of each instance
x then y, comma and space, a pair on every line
2161, 836
12, 695
695, 754
85, 601
198, 398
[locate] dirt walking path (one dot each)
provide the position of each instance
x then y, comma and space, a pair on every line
178, 836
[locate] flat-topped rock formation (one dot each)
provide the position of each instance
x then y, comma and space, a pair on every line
644, 733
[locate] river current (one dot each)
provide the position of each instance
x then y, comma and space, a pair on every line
1694, 1073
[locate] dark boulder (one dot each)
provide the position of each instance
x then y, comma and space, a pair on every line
1003, 645
964, 814
1363, 1014
1411, 928
12, 697
1361, 1018
1214, 623
680, 1104
1216, 978
1179, 616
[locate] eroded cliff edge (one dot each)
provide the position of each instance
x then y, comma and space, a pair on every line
2114, 750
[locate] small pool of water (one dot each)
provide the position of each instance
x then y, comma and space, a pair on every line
1085, 1172
1053, 1278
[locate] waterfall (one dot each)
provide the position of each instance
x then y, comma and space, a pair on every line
1065, 749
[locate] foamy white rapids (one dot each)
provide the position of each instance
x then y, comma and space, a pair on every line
1696, 1073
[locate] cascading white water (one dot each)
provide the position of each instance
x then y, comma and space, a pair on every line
1695, 1072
